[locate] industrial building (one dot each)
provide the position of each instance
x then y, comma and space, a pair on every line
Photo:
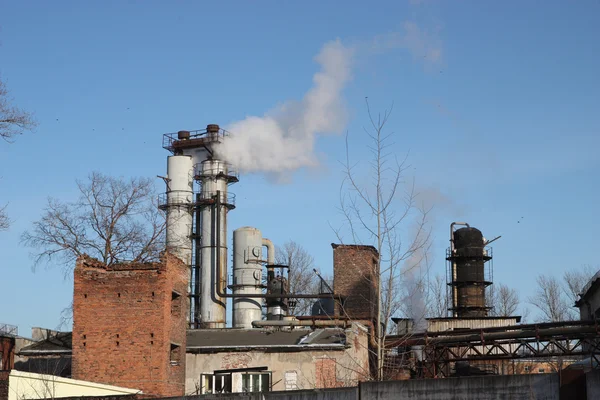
160, 329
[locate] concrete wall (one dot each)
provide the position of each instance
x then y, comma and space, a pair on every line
508, 387
593, 384
311, 368
350, 393
26, 385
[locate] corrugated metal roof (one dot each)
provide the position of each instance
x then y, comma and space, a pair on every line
59, 343
449, 324
213, 339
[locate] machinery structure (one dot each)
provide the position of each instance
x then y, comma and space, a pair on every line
196, 203
467, 276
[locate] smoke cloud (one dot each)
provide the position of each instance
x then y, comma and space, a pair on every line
284, 138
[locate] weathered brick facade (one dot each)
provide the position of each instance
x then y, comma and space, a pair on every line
356, 279
129, 324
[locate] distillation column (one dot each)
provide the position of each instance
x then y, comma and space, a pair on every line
213, 180
179, 207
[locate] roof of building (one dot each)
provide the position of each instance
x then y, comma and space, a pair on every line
55, 344
211, 340
590, 288
515, 317
356, 246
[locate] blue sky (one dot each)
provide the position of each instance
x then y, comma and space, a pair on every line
495, 103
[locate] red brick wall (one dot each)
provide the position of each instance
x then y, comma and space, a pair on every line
127, 321
7, 352
355, 277
4, 385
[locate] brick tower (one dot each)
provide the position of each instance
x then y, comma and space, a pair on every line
129, 324
355, 278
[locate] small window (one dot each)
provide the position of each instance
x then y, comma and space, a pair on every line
256, 382
175, 354
527, 368
175, 304
541, 370
215, 383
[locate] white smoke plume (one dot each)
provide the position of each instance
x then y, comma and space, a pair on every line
284, 138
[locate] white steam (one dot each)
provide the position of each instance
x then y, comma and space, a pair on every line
283, 139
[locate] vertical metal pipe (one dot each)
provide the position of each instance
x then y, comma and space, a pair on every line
197, 263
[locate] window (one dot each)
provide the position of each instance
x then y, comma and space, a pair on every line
216, 383
541, 370
256, 382
175, 354
175, 304
236, 381
527, 368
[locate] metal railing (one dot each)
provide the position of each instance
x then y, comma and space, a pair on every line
170, 139
224, 170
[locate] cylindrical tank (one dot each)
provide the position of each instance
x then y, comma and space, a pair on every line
470, 284
179, 212
247, 276
212, 306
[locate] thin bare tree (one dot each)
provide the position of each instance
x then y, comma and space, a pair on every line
574, 282
503, 300
555, 297
549, 299
378, 209
13, 122
437, 297
113, 220
302, 278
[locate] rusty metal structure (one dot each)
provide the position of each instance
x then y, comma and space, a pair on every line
443, 349
467, 275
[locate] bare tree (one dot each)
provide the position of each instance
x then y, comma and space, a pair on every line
503, 300
575, 280
113, 220
378, 209
437, 297
555, 298
13, 122
549, 300
302, 278
4, 220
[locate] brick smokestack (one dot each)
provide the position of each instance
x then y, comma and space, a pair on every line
355, 278
129, 324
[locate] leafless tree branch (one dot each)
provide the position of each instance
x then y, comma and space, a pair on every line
113, 220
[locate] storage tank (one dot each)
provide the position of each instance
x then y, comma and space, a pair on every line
247, 276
